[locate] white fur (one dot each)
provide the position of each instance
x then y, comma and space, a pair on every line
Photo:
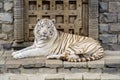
40, 47
53, 44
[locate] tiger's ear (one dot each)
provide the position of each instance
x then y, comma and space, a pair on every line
53, 20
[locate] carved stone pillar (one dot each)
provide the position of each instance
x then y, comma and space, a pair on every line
93, 18
18, 21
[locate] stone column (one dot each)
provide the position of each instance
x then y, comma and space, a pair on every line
18, 21
93, 18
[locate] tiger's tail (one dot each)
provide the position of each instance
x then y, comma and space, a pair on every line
95, 56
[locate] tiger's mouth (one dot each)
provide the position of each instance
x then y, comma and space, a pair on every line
44, 37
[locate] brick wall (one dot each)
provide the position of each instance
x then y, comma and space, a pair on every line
109, 23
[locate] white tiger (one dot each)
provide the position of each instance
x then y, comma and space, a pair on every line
55, 44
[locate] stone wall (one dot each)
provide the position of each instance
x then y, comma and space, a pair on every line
108, 16
6, 22
109, 24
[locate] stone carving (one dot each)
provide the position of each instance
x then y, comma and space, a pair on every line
55, 44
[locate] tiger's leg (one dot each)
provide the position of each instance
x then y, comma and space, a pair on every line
29, 53
25, 49
74, 54
62, 56
97, 53
55, 56
65, 56
70, 54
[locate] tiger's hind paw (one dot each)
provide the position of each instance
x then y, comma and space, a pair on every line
73, 58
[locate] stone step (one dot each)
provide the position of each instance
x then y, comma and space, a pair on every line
58, 76
109, 64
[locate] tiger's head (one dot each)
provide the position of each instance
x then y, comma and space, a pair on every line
45, 29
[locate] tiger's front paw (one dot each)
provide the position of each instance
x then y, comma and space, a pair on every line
18, 56
14, 53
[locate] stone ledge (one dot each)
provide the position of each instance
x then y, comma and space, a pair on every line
76, 76
41, 65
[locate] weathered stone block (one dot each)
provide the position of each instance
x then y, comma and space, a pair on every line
1, 5
4, 77
6, 17
33, 62
8, 6
108, 38
93, 24
4, 45
2, 62
40, 61
115, 27
54, 63
118, 17
30, 71
93, 9
110, 77
103, 28
108, 18
110, 70
110, 0
105, 46
3, 36
7, 46
112, 61
0, 27
15, 71
75, 64
118, 38
36, 77
75, 76
13, 63
76, 70
92, 76
7, 28
96, 64
7, 53
64, 70
114, 47
112, 53
47, 70
1, 52
96, 70
93, 33
18, 77
103, 6
54, 77
114, 6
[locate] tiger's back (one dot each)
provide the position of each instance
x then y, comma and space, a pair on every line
73, 44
